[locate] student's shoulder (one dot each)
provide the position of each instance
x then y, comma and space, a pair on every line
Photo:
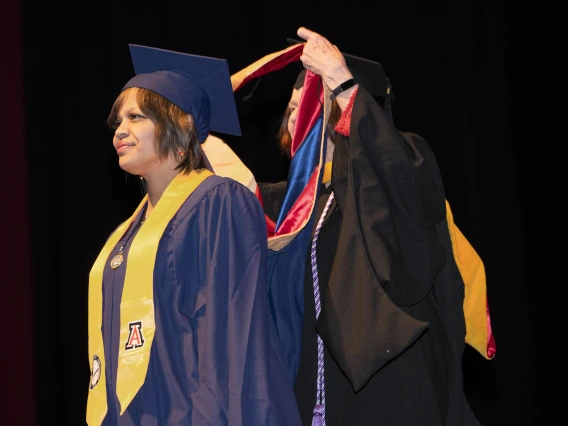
226, 187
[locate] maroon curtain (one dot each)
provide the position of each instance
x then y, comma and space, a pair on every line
16, 312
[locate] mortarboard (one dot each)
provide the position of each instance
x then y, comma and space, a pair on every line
199, 85
367, 73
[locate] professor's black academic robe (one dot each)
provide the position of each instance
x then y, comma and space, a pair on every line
392, 296
215, 359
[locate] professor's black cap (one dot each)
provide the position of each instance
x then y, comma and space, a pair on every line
199, 85
367, 73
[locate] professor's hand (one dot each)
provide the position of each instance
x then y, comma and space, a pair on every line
323, 58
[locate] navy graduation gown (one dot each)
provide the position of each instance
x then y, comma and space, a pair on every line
216, 358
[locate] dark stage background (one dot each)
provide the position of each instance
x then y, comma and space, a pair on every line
467, 76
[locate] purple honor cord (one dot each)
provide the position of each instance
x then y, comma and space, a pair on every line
318, 418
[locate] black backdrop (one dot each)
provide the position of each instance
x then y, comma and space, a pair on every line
466, 77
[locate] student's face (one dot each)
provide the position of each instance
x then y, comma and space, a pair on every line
134, 138
293, 105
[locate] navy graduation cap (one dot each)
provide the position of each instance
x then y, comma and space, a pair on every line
199, 85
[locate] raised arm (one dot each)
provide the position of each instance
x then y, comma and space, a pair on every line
322, 57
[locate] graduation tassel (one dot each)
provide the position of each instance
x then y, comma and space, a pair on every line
317, 419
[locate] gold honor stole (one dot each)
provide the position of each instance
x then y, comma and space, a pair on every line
137, 325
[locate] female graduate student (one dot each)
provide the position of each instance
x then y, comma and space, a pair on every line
180, 331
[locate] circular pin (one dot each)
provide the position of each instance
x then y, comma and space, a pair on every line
116, 261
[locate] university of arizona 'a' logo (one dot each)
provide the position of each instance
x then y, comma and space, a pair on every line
135, 337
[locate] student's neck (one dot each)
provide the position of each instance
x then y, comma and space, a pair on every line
157, 183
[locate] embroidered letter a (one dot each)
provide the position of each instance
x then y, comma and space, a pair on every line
135, 337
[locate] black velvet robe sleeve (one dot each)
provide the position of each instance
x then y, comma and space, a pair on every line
388, 255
